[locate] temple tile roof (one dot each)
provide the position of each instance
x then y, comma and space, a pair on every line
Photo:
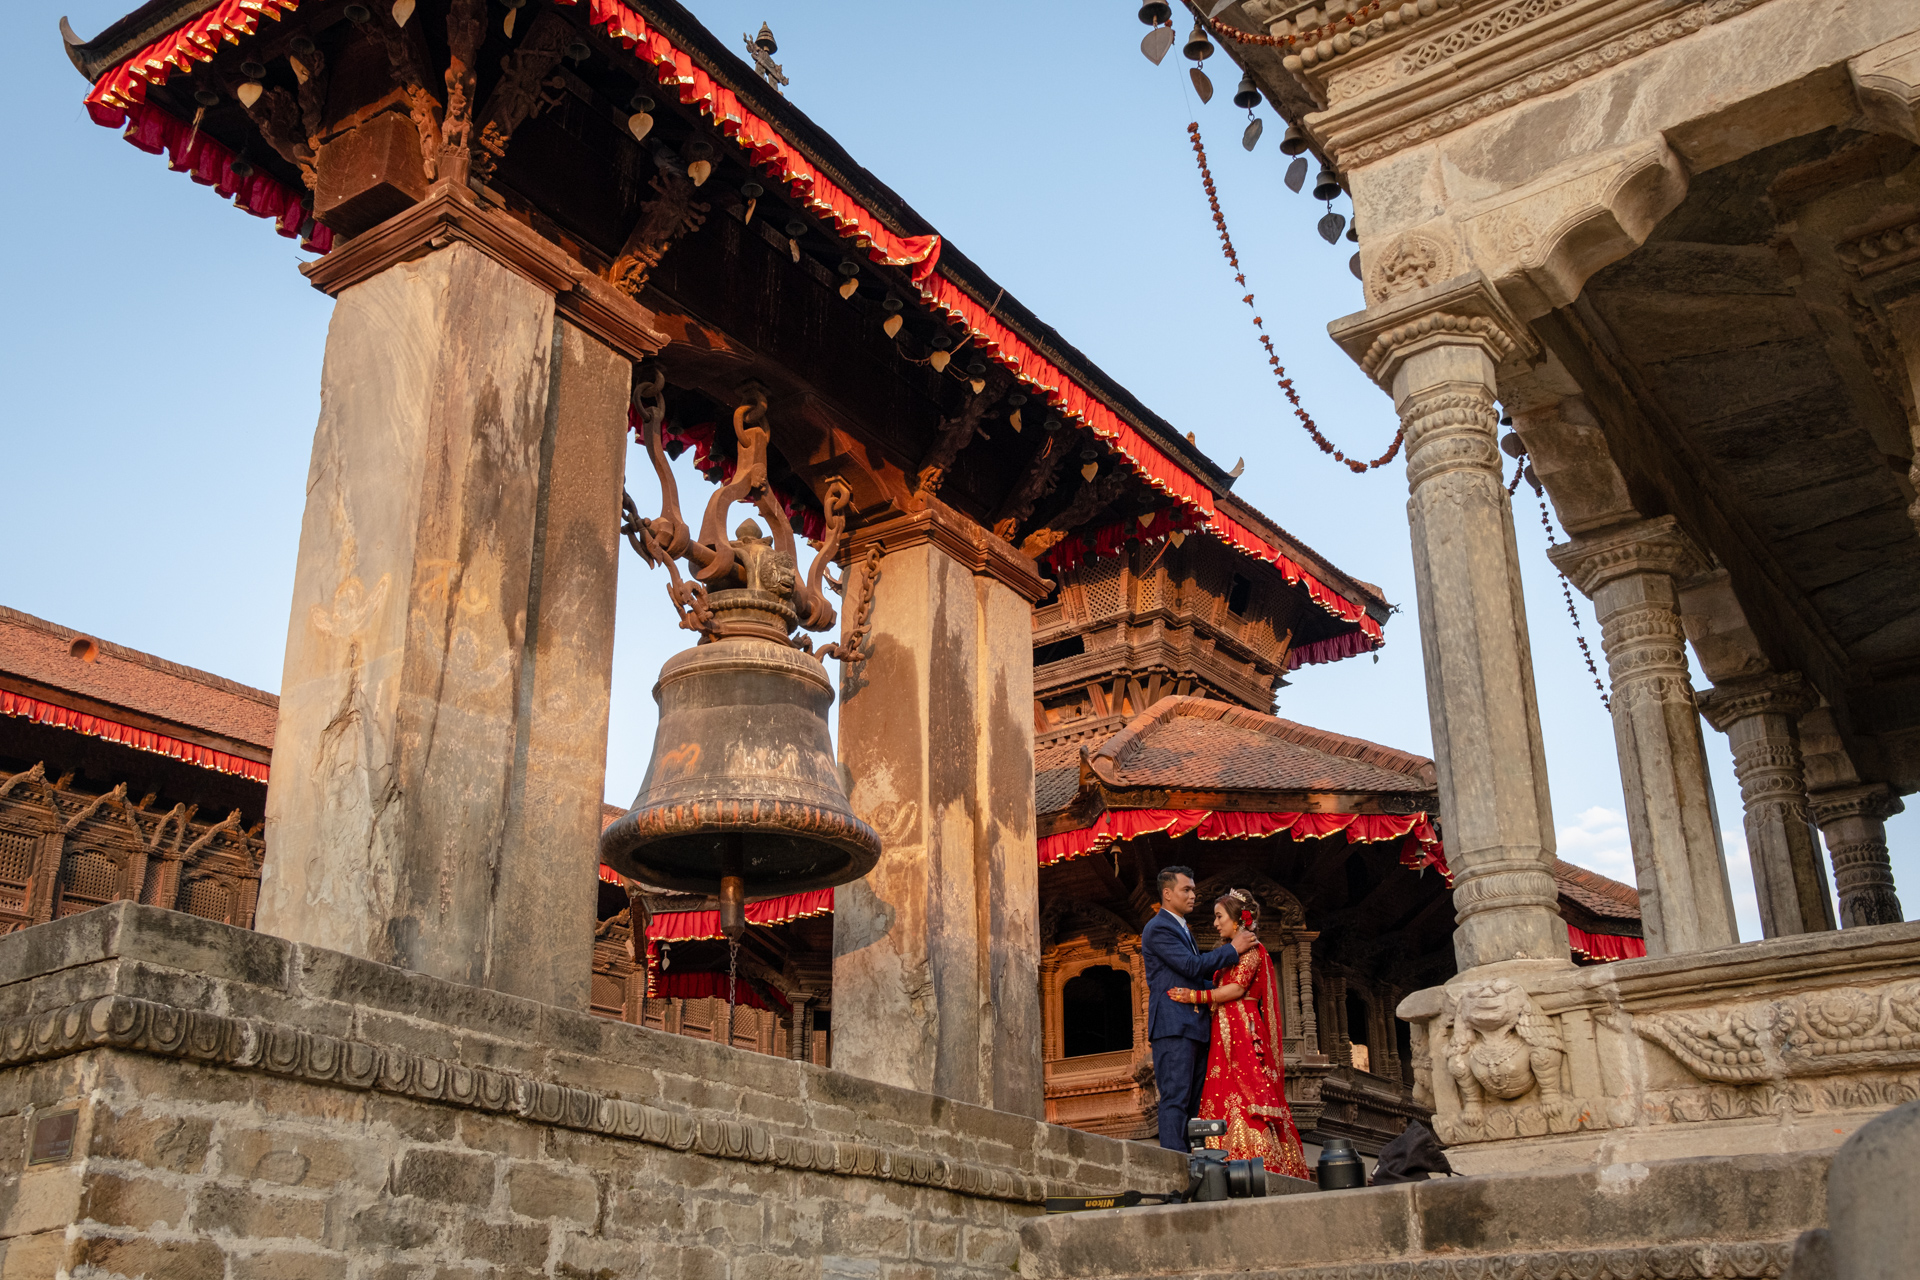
35, 652
1203, 745
1056, 776
1597, 893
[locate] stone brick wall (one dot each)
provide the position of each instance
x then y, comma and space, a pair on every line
247, 1108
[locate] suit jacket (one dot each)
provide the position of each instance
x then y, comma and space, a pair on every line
1173, 961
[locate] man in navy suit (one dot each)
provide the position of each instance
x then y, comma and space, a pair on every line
1179, 1032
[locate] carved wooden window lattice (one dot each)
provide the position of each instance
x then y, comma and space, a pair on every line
207, 898
17, 850
1103, 586
92, 880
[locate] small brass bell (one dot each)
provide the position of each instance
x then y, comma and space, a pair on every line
1198, 47
1326, 185
1293, 142
1246, 95
1155, 12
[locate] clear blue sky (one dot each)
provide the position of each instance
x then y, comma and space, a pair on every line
162, 354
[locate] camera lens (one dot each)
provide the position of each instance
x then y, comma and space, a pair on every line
1247, 1178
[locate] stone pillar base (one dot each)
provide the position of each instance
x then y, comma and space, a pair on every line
1778, 1046
337, 1117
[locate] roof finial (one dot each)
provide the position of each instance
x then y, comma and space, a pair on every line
762, 48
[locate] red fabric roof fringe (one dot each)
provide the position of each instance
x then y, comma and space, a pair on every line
704, 926
14, 704
1421, 847
1604, 947
121, 90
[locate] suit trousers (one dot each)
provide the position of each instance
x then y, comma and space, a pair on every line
1180, 1071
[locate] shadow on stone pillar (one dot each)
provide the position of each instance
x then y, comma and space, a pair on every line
1679, 863
441, 741
1759, 715
937, 951
1854, 822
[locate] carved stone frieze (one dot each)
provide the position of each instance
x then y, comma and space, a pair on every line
1551, 67
1840, 1029
1414, 260
257, 1044
1882, 250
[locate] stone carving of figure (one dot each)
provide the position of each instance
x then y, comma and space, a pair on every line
1502, 1046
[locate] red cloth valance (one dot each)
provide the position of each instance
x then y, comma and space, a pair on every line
1605, 946
14, 704
703, 926
1421, 847
120, 96
713, 986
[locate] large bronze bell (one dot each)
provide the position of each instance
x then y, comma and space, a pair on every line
742, 798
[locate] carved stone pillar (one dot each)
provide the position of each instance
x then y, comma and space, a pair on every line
1679, 864
1854, 822
441, 749
1437, 357
936, 952
1759, 716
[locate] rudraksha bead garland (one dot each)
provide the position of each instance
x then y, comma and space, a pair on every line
1279, 371
1566, 590
1365, 13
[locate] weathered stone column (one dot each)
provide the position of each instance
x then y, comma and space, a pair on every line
1758, 715
1436, 354
936, 952
1854, 822
1678, 859
441, 744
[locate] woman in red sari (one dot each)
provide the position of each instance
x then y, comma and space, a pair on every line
1246, 1082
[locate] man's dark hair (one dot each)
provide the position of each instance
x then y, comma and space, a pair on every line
1170, 874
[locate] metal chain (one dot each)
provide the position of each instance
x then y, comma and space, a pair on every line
733, 980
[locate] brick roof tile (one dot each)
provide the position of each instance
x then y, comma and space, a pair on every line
39, 651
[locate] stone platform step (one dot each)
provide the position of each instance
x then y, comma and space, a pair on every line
1729, 1216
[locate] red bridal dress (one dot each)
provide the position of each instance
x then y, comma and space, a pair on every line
1246, 1082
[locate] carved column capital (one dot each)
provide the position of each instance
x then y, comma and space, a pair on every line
980, 550
1874, 800
1778, 693
1464, 311
1648, 546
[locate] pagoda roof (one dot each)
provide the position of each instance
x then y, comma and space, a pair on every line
62, 677
140, 51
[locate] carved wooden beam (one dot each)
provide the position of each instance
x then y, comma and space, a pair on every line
466, 28
1094, 497
953, 435
407, 56
527, 87
278, 117
1043, 475
672, 213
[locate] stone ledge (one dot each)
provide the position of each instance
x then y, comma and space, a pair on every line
144, 980
1733, 1216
